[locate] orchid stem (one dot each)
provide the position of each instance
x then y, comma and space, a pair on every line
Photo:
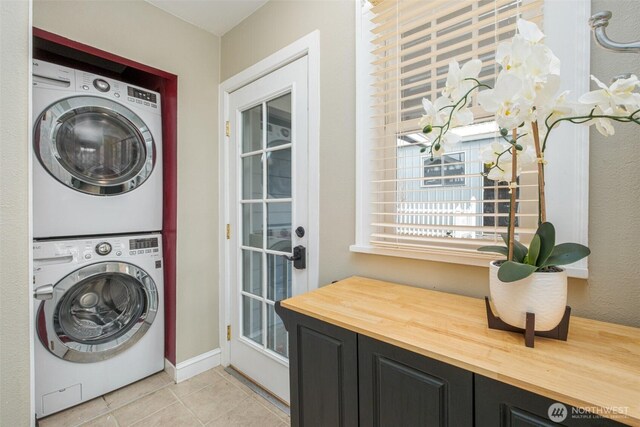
542, 203
513, 196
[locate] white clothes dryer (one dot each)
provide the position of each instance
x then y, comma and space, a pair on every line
99, 317
97, 149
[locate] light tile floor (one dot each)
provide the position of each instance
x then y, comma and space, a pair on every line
214, 398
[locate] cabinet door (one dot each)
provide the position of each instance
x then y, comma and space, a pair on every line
502, 405
399, 388
323, 373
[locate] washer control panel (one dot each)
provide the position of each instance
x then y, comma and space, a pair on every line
149, 245
50, 252
102, 85
103, 248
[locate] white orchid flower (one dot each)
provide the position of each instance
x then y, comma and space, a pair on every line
506, 100
435, 114
621, 93
529, 31
457, 84
450, 138
490, 154
462, 117
603, 125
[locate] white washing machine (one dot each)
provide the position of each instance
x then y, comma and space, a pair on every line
99, 317
97, 148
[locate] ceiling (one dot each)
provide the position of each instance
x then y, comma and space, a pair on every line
215, 16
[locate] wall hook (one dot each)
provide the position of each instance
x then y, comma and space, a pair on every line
598, 23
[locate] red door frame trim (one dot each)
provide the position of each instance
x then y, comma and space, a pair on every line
167, 85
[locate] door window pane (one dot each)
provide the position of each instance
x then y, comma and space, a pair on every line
252, 319
278, 277
277, 338
279, 174
252, 177
279, 121
252, 129
252, 229
279, 226
252, 272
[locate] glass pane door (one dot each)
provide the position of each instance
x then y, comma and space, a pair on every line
266, 207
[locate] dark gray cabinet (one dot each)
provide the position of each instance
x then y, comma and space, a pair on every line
323, 373
401, 388
341, 379
501, 405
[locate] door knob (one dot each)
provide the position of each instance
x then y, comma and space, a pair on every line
44, 292
299, 257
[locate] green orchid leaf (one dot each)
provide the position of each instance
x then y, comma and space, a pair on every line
519, 250
512, 271
497, 249
547, 233
534, 250
567, 253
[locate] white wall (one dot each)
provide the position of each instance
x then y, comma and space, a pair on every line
144, 33
15, 391
612, 293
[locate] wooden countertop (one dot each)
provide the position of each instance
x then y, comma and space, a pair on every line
598, 366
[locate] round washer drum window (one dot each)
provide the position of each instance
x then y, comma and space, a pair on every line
97, 312
94, 145
100, 309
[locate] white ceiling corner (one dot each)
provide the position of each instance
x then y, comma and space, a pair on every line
215, 16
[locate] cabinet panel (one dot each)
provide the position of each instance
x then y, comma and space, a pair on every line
501, 405
400, 388
323, 373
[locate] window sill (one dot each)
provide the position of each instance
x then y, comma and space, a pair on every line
465, 258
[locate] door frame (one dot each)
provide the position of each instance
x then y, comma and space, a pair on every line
309, 46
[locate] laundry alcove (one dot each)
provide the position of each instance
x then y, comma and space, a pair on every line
51, 47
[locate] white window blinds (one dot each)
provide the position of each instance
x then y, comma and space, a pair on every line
445, 203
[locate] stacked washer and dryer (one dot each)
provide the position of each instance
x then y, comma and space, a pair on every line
97, 217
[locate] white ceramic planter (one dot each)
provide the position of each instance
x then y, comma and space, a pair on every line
544, 294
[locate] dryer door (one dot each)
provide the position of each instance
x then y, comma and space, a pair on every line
94, 145
97, 312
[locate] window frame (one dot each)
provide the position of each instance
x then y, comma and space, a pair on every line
567, 173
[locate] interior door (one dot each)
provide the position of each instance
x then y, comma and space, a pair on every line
269, 211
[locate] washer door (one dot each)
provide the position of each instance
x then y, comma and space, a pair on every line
97, 312
94, 145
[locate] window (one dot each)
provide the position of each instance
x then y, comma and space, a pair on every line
444, 208
446, 170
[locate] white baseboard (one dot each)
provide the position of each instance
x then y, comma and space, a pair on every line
194, 366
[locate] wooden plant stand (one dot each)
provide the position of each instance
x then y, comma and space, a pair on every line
560, 332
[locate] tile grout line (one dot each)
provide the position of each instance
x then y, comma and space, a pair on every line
259, 398
137, 398
153, 413
187, 407
112, 410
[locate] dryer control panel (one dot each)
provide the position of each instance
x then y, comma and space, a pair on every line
52, 76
